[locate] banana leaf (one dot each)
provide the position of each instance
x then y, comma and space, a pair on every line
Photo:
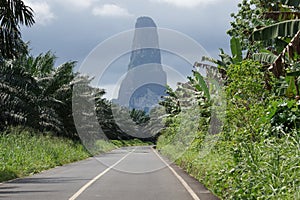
287, 28
236, 50
268, 58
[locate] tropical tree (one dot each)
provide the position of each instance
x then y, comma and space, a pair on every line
35, 93
286, 30
13, 13
18, 91
226, 60
256, 14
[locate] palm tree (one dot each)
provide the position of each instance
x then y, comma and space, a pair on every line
35, 93
13, 13
17, 96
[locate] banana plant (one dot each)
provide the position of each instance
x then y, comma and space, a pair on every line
286, 62
227, 60
285, 29
199, 84
236, 50
266, 58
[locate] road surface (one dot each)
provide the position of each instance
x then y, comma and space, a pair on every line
132, 173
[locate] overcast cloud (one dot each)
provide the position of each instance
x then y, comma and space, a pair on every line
73, 28
111, 10
188, 3
42, 11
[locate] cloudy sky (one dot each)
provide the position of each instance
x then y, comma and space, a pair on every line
72, 28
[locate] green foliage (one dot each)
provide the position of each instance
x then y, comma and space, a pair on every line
199, 84
226, 60
106, 119
191, 125
25, 151
245, 83
13, 13
37, 94
139, 116
236, 50
264, 57
255, 15
246, 20
296, 73
288, 57
282, 29
284, 116
256, 156
170, 102
39, 66
265, 170
102, 146
241, 168
17, 91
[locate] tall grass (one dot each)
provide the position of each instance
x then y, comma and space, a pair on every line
269, 169
24, 152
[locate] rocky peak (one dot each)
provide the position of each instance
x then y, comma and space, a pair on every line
145, 47
143, 22
145, 81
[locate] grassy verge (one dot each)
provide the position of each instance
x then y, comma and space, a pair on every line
258, 170
24, 152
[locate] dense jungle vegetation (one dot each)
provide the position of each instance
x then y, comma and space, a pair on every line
246, 141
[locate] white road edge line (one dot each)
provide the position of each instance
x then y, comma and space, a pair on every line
182, 181
83, 188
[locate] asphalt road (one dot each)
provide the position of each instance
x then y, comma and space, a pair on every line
135, 173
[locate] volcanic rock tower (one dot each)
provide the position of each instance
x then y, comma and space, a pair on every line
145, 81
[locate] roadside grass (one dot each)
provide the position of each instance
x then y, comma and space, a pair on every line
262, 170
25, 152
